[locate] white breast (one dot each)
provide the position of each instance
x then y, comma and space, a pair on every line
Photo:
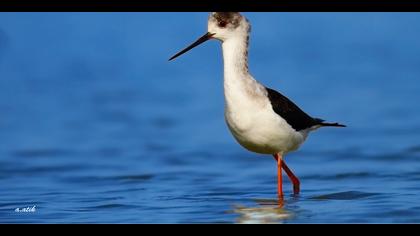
253, 122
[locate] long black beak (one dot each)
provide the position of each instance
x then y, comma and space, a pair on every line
199, 41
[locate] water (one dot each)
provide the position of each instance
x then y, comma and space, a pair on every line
97, 127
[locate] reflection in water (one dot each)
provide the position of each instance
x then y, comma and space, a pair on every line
267, 211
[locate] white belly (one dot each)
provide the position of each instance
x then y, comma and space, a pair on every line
259, 129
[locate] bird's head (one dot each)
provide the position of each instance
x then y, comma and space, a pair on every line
221, 26
225, 25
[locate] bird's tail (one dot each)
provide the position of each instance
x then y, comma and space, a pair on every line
332, 124
322, 123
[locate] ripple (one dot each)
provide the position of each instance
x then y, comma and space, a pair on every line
349, 175
47, 152
55, 169
164, 122
110, 152
136, 178
413, 149
348, 195
108, 179
157, 147
113, 205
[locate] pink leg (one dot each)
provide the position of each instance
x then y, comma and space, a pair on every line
293, 178
295, 181
279, 175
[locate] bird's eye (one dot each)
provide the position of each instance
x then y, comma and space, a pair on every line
222, 24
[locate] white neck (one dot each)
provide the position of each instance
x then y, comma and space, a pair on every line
239, 85
235, 57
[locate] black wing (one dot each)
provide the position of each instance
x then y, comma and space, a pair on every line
289, 111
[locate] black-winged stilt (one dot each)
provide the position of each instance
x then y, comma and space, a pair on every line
261, 119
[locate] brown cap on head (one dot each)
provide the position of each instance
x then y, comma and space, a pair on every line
232, 18
226, 15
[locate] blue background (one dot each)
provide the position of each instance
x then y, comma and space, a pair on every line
97, 126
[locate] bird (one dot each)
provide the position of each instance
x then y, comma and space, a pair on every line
261, 119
